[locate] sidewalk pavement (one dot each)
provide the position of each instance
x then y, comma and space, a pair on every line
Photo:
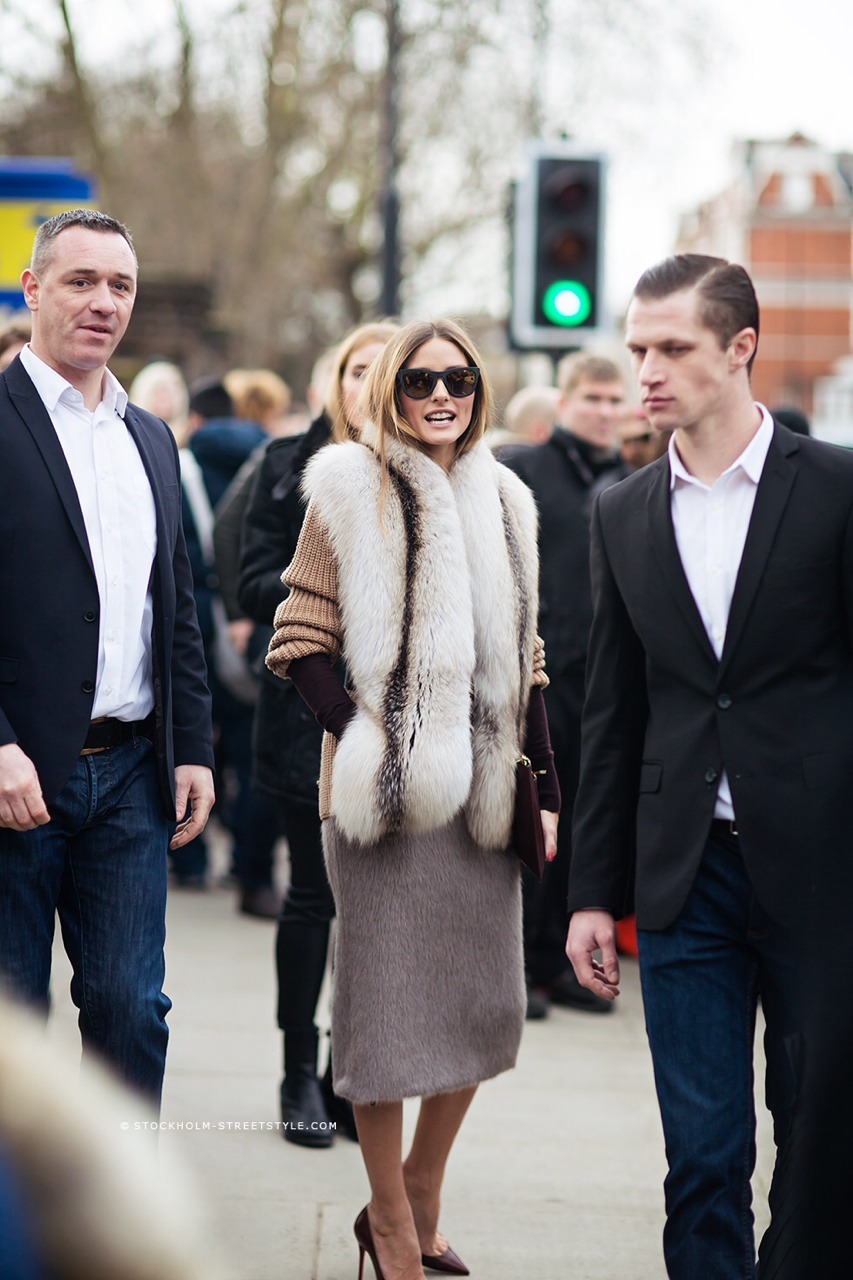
557, 1171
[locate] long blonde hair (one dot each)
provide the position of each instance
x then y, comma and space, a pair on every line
365, 335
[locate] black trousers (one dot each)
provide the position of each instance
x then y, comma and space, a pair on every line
302, 944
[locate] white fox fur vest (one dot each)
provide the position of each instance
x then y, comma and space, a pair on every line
439, 605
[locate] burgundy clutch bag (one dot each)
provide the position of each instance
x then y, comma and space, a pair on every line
528, 838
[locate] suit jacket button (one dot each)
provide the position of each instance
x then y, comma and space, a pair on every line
88, 686
89, 615
724, 702
711, 777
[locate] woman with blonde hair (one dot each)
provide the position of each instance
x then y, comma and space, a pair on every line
287, 748
417, 563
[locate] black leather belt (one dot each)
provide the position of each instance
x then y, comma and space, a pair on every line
106, 733
726, 827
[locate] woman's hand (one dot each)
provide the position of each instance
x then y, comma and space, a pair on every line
550, 822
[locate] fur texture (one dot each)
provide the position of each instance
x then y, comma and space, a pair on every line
438, 604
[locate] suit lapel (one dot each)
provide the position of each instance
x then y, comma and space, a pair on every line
665, 549
36, 419
771, 498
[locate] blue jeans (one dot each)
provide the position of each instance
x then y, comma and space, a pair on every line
101, 864
701, 979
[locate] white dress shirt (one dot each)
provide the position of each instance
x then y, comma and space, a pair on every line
121, 525
711, 524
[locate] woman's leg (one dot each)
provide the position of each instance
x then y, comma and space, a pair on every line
438, 1124
380, 1132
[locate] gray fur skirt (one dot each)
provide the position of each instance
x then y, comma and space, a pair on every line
428, 990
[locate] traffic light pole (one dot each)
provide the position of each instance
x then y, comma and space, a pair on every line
390, 198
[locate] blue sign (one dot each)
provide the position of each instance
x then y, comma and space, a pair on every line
32, 189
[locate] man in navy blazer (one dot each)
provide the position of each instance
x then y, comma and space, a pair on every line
105, 735
716, 772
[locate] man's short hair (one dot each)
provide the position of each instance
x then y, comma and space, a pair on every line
727, 301
210, 398
589, 365
90, 219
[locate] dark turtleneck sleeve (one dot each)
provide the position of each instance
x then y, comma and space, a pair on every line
322, 689
537, 748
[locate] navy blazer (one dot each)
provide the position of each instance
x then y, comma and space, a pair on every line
50, 608
663, 717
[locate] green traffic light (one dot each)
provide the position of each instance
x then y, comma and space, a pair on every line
567, 302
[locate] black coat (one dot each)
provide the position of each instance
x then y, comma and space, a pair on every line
49, 603
561, 482
287, 737
663, 717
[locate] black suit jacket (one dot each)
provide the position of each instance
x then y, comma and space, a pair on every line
663, 717
49, 604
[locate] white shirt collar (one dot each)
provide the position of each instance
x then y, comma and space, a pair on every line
751, 461
51, 385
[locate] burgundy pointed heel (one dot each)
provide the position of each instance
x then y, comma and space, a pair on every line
449, 1263
364, 1238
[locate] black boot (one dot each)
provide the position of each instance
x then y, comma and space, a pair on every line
303, 1110
340, 1109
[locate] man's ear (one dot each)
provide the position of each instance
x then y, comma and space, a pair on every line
742, 348
30, 285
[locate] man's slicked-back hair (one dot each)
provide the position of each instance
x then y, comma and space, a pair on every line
727, 301
89, 219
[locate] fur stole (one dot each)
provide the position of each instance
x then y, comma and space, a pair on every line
439, 608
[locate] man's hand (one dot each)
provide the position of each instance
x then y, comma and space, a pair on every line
22, 806
591, 931
550, 822
193, 783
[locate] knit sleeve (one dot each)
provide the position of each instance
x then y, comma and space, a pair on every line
308, 620
539, 678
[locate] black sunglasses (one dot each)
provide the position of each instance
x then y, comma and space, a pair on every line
417, 384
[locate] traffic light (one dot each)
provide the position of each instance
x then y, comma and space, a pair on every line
557, 281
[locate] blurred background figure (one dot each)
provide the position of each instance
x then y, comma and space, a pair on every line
220, 439
639, 443
84, 1192
793, 419
287, 746
160, 388
563, 473
220, 444
259, 396
531, 414
14, 336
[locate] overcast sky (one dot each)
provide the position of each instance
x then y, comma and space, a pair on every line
788, 67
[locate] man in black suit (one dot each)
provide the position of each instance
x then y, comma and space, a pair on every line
104, 712
563, 473
717, 757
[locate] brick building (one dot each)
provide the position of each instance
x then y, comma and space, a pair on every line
787, 215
